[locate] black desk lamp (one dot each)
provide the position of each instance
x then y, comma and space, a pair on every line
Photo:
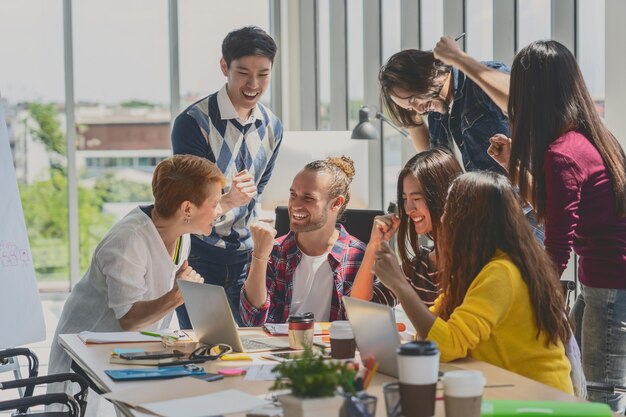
366, 130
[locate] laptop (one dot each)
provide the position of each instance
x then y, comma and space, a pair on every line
375, 332
213, 322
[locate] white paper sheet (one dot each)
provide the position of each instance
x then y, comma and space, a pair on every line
260, 372
216, 404
116, 337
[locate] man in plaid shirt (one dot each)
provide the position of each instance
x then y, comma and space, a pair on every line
311, 268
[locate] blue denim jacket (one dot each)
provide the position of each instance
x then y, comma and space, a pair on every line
474, 118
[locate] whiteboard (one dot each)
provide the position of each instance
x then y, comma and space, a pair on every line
21, 315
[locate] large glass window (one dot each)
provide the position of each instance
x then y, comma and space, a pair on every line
354, 11
431, 23
533, 21
591, 48
479, 24
32, 90
323, 63
392, 140
122, 108
202, 26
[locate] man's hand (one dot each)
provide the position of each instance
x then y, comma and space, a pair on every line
447, 50
500, 149
263, 238
242, 190
387, 268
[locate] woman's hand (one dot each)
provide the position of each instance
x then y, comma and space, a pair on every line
384, 228
263, 239
187, 273
500, 149
387, 268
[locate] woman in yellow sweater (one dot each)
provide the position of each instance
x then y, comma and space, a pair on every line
500, 299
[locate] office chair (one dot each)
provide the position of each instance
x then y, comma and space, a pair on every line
358, 222
76, 404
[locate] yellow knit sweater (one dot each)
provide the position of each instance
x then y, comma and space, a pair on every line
496, 324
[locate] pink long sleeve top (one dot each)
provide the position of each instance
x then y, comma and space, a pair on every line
580, 213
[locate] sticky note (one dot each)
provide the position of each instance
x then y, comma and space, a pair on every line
232, 371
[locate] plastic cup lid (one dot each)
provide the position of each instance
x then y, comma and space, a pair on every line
301, 318
466, 383
341, 329
419, 348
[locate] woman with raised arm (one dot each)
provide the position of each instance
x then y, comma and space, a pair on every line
422, 188
573, 170
500, 300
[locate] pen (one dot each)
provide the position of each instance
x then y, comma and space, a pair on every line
462, 35
153, 334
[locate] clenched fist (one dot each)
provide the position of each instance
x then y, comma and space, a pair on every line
187, 273
500, 149
242, 190
263, 237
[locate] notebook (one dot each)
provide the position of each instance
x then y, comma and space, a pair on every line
213, 322
154, 373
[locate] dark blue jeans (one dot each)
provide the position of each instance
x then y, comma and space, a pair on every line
231, 277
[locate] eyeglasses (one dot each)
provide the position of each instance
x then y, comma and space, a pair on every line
210, 353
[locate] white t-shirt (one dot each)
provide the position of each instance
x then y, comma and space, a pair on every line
313, 284
130, 264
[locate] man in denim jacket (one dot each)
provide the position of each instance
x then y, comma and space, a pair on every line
464, 100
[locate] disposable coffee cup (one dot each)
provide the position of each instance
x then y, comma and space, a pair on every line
301, 328
418, 369
342, 343
463, 393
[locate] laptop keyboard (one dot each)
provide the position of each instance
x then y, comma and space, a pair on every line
253, 344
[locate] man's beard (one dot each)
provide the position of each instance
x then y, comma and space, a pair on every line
312, 224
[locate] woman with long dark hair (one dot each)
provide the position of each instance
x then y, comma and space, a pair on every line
500, 300
422, 187
573, 170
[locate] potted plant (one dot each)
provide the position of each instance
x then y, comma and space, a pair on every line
314, 383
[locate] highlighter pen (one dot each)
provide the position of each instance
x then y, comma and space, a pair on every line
147, 333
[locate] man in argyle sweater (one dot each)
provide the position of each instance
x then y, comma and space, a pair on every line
234, 130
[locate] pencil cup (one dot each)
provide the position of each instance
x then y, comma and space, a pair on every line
391, 392
342, 343
359, 405
418, 369
463, 393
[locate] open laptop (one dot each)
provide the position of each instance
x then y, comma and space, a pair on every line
213, 322
375, 332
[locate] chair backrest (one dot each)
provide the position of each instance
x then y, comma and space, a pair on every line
358, 222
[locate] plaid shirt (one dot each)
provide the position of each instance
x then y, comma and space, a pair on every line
344, 259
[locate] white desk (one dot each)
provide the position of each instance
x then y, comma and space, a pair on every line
94, 360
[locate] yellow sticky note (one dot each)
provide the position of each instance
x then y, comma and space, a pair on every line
236, 357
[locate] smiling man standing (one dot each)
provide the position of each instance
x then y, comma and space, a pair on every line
242, 136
